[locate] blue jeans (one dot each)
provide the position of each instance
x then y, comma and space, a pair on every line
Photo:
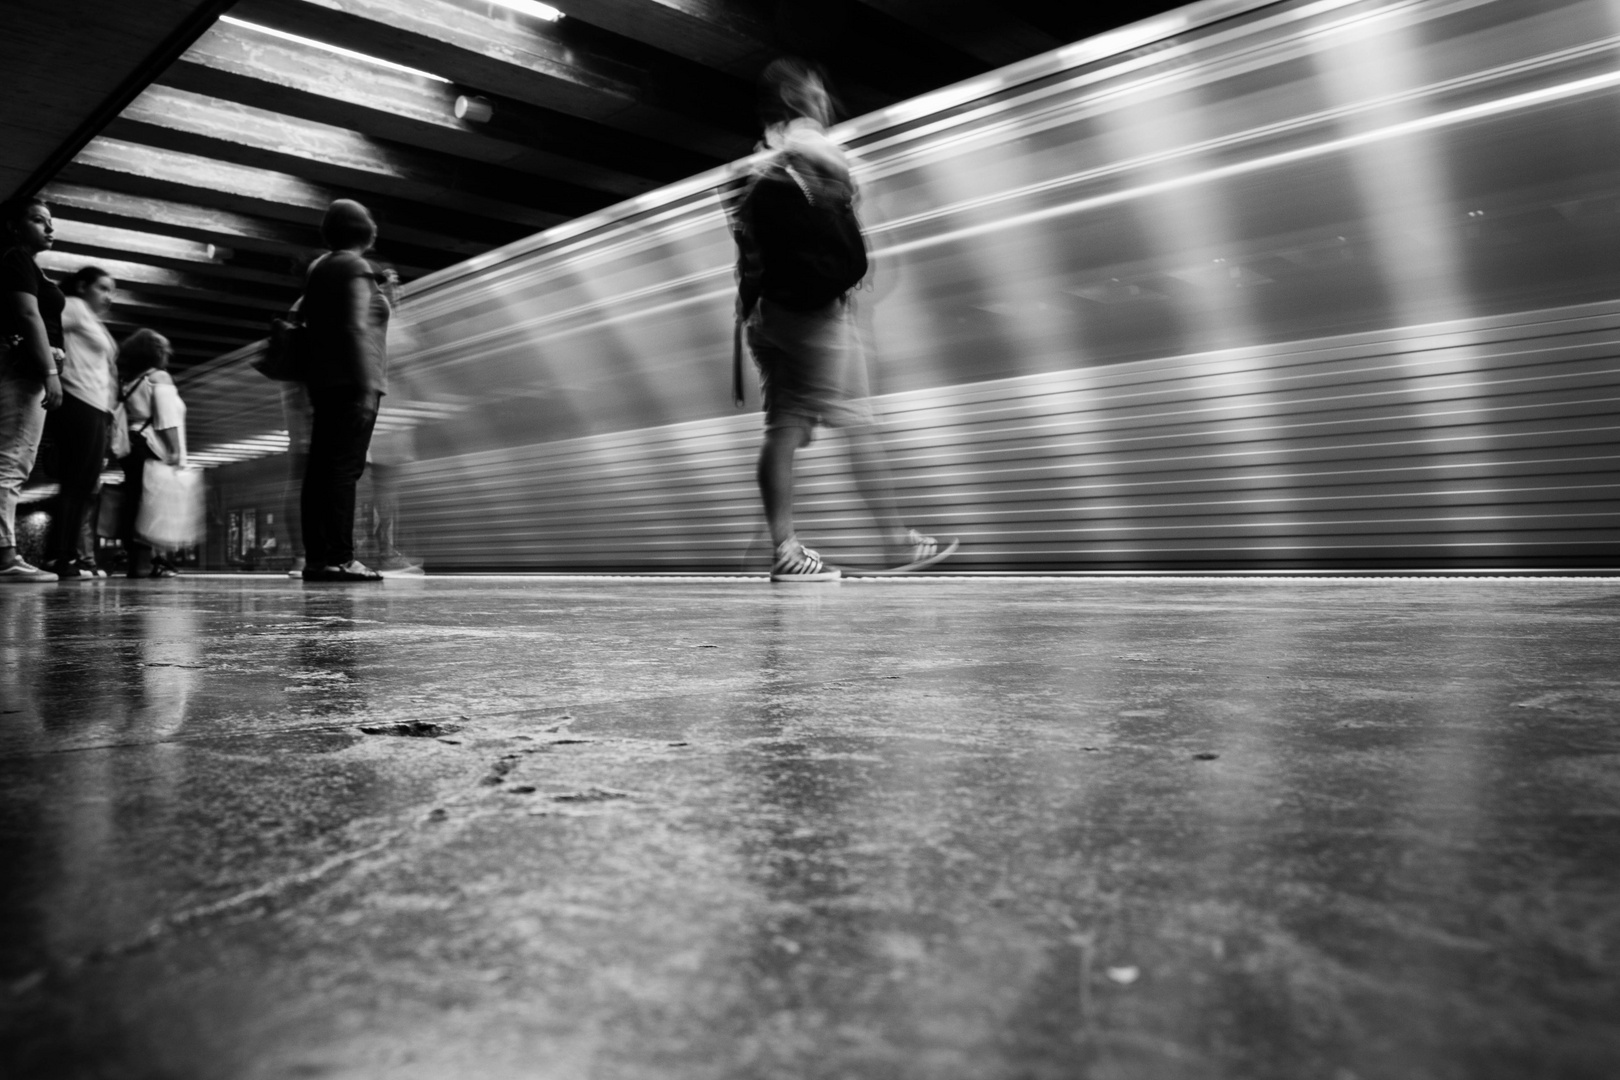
22, 422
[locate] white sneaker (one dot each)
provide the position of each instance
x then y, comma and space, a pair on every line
20, 573
795, 562
924, 551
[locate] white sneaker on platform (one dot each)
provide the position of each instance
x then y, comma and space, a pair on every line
795, 562
22, 573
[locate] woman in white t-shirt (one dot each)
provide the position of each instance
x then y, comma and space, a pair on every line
79, 430
157, 429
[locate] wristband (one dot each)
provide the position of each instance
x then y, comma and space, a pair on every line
52, 373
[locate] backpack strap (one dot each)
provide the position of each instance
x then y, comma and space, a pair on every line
134, 384
804, 186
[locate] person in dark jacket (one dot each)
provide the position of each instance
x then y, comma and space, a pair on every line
345, 310
801, 253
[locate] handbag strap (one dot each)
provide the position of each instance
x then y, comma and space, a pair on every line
133, 386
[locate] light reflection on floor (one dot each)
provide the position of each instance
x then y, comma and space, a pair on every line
713, 828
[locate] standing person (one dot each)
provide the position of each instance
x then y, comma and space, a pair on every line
30, 359
79, 429
345, 310
157, 430
801, 253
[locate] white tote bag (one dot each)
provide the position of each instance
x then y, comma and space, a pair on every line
171, 514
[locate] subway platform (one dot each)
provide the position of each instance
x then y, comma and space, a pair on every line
595, 829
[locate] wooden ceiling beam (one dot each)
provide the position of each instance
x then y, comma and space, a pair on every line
556, 65
135, 242
195, 355
135, 306
300, 80
122, 325
733, 36
243, 232
173, 283
142, 170
723, 34
205, 224
223, 273
177, 119
980, 30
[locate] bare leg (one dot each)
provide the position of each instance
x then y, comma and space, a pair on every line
875, 482
776, 478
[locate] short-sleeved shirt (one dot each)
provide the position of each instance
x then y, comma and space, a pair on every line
342, 353
19, 273
153, 396
90, 371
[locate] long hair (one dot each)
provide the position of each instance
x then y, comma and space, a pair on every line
143, 351
790, 88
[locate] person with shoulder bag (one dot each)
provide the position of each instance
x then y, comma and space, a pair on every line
345, 312
154, 418
30, 369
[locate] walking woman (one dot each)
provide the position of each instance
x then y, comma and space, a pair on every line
79, 429
801, 254
346, 312
157, 429
30, 355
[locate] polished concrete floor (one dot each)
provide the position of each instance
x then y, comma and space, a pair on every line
624, 830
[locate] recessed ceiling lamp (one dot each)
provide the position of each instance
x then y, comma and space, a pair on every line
350, 53
530, 7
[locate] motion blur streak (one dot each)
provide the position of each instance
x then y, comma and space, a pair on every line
1249, 285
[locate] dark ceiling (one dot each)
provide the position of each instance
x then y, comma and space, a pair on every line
199, 181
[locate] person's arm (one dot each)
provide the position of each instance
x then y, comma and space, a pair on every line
356, 319
168, 418
170, 438
25, 306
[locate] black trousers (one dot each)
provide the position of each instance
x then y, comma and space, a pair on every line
339, 438
79, 433
129, 508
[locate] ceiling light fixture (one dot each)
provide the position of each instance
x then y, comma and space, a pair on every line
473, 108
350, 53
530, 7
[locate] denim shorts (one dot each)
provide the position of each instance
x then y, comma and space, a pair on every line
812, 368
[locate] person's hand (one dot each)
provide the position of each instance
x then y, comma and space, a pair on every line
53, 392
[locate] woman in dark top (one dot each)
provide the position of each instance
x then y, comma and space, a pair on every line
345, 313
30, 360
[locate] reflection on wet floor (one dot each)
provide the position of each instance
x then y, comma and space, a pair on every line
1177, 828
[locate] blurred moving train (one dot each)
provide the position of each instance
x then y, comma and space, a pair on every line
1314, 284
